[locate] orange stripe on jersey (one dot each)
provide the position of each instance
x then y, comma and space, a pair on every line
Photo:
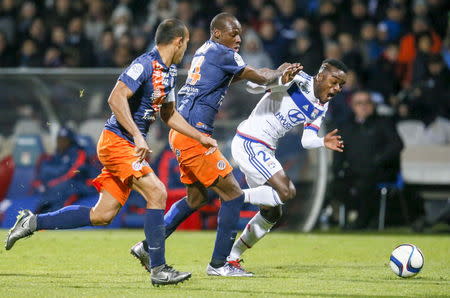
159, 93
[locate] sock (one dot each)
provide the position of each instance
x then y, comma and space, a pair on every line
256, 229
262, 195
69, 217
154, 234
177, 213
226, 230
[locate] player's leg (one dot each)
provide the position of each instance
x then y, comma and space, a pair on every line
69, 217
154, 192
259, 164
178, 212
232, 197
255, 230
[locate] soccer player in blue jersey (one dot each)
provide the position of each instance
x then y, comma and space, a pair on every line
145, 88
214, 66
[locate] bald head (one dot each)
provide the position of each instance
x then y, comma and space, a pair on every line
226, 29
223, 21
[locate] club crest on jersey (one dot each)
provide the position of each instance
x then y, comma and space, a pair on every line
221, 164
137, 166
314, 113
177, 153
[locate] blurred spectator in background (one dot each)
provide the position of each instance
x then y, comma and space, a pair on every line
157, 11
394, 21
430, 97
350, 54
370, 48
371, 155
7, 58
423, 53
81, 47
26, 15
63, 176
304, 52
408, 47
352, 23
253, 53
8, 12
273, 43
29, 55
60, 14
121, 20
105, 50
383, 75
96, 20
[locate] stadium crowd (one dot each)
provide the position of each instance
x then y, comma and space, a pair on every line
397, 50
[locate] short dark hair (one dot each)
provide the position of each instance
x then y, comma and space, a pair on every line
168, 30
336, 63
219, 21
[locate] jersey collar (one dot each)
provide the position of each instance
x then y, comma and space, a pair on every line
156, 54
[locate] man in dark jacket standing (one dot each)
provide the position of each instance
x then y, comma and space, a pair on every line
371, 155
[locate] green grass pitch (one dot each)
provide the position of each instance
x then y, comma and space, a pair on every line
98, 264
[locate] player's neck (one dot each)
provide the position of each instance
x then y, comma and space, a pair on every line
166, 52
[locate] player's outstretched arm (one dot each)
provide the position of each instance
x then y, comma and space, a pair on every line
118, 101
281, 84
266, 76
175, 121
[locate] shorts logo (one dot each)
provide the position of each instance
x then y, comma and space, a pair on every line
137, 166
177, 153
271, 164
221, 165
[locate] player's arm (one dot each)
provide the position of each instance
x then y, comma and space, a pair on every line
175, 121
118, 101
310, 138
281, 84
266, 76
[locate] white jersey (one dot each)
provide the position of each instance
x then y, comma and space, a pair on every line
282, 108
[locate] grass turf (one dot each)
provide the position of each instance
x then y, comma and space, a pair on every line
97, 263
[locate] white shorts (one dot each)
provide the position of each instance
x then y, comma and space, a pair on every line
255, 160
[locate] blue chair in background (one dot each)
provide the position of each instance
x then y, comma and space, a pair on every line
27, 150
388, 187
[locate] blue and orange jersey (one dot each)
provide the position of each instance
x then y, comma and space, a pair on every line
152, 83
212, 69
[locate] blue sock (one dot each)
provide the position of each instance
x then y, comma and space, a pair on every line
155, 235
69, 217
177, 213
226, 230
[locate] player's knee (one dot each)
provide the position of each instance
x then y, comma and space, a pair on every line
286, 192
103, 219
272, 214
196, 202
155, 194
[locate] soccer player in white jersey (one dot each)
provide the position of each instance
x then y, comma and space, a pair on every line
302, 101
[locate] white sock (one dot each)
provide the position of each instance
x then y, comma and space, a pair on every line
256, 228
262, 195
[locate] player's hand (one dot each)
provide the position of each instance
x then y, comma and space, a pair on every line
333, 141
290, 72
141, 149
283, 66
209, 143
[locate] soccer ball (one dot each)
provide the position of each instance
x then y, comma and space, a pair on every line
406, 260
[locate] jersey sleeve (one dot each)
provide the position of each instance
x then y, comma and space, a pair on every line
310, 139
136, 74
231, 62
